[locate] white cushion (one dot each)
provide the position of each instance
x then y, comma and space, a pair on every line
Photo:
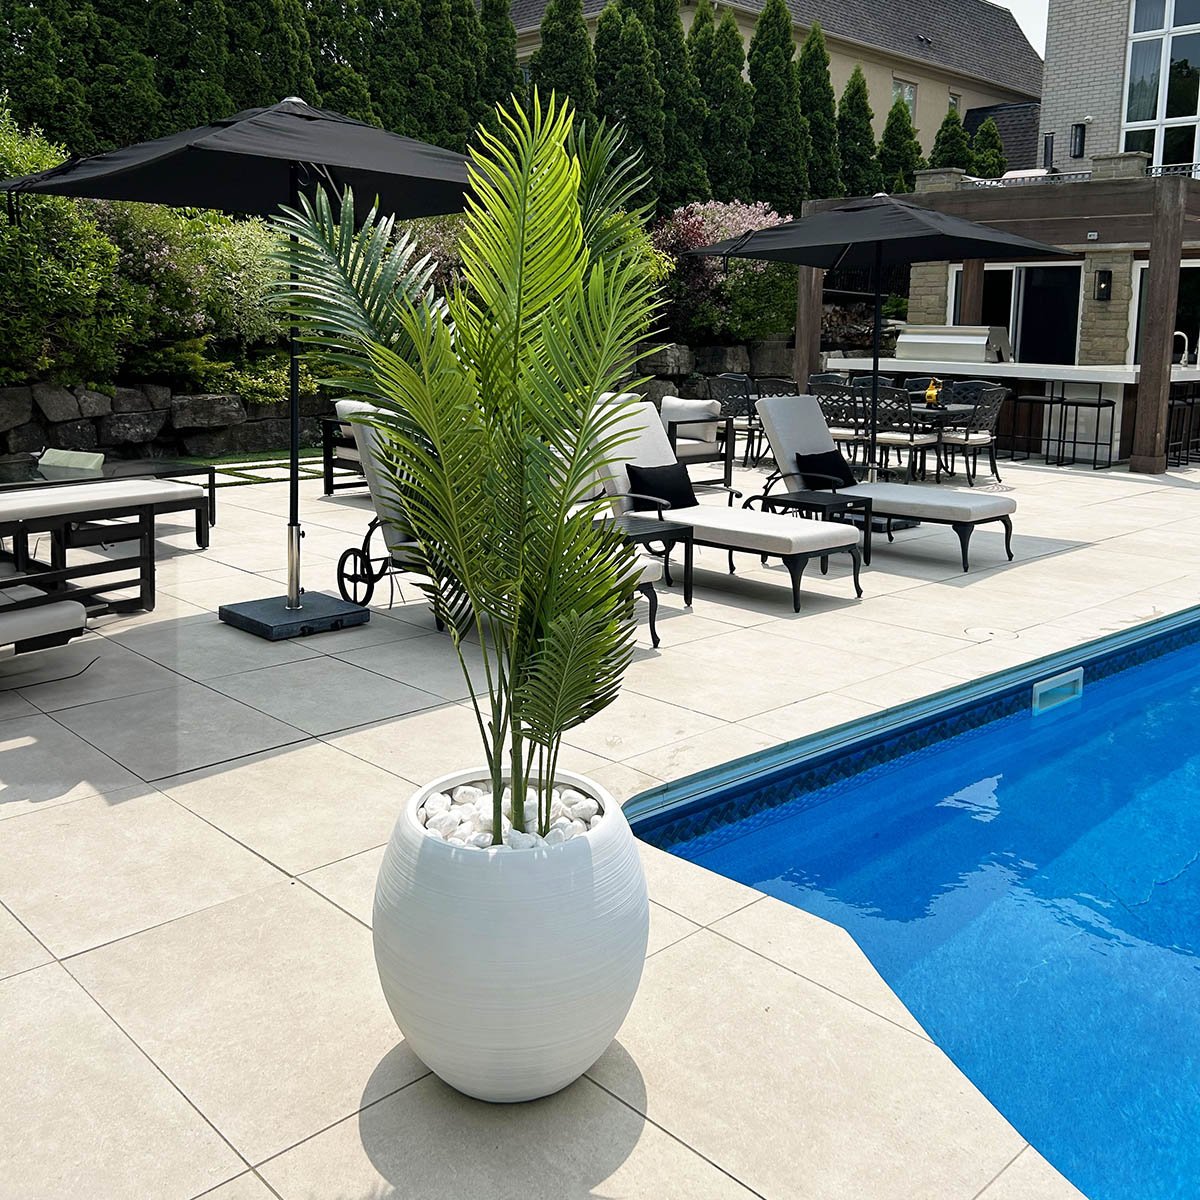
763, 533
649, 568
23, 624
366, 440
689, 450
676, 408
934, 503
26, 504
896, 438
967, 439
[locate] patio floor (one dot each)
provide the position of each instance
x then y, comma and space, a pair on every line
191, 821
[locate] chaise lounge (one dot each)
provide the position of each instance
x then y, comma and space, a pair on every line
795, 426
796, 541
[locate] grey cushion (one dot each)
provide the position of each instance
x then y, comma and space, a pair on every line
25, 504
934, 503
764, 533
677, 408
22, 624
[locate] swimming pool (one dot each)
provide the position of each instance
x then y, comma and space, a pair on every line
1030, 888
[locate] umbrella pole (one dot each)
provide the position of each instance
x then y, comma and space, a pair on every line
877, 280
294, 533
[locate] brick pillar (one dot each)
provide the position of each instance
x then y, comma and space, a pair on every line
1104, 326
1131, 164
941, 179
928, 289
1149, 455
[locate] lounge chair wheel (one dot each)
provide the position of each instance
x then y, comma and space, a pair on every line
355, 577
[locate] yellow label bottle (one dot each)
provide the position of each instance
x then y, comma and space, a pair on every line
931, 393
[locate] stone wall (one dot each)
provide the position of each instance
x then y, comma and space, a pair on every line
680, 370
147, 420
1104, 325
928, 293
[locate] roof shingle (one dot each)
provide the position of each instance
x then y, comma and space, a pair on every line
970, 37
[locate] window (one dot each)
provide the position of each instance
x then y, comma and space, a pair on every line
1162, 81
1078, 141
1048, 151
903, 90
955, 102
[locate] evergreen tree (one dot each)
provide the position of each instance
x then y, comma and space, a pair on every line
607, 50
632, 96
952, 146
435, 99
987, 152
396, 51
815, 91
780, 134
339, 35
730, 118
123, 95
192, 61
466, 38
269, 54
856, 139
684, 177
899, 150
700, 40
564, 62
499, 76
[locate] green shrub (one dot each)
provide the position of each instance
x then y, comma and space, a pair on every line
62, 318
264, 381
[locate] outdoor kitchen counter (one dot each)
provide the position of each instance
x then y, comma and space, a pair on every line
1033, 372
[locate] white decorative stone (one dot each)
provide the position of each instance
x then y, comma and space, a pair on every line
555, 837
439, 802
577, 917
480, 840
595, 821
443, 823
467, 794
585, 809
577, 827
520, 841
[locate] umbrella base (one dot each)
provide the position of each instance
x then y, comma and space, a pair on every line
273, 620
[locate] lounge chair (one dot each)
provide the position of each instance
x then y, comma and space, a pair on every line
794, 425
358, 571
796, 541
32, 620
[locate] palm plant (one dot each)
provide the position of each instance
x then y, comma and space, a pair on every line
496, 420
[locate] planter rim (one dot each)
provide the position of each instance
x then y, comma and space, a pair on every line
446, 783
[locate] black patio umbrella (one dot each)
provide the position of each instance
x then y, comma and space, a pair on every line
251, 164
877, 232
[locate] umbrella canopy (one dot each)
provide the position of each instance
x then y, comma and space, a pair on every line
253, 162
250, 164
878, 231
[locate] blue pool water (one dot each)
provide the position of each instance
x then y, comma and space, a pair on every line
1031, 891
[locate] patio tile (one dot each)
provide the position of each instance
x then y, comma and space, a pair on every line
166, 608
14, 705
816, 949
92, 668
621, 781
899, 687
861, 635
203, 647
666, 928
1030, 1177
299, 808
265, 1011
380, 628
19, 949
86, 873
426, 662
634, 724
350, 882
95, 1117
43, 764
817, 713
701, 751
245, 1187
578, 1143
210, 594
176, 730
322, 694
877, 1111
689, 890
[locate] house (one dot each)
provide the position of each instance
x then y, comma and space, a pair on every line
936, 54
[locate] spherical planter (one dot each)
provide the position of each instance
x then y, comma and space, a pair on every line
510, 971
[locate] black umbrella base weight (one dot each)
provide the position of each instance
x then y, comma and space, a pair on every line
273, 620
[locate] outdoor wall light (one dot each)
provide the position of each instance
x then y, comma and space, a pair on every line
1103, 291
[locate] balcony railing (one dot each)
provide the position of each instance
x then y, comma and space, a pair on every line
1188, 170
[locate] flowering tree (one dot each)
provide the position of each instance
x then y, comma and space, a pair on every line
706, 302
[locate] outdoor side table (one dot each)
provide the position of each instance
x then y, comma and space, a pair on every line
641, 529
824, 506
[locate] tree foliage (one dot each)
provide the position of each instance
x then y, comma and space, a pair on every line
815, 91
683, 176
951, 146
899, 150
631, 96
564, 64
729, 101
499, 76
779, 139
856, 138
987, 152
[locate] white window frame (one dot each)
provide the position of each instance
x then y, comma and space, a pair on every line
898, 86
1160, 123
956, 102
1015, 314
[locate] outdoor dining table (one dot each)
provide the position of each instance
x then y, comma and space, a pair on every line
939, 417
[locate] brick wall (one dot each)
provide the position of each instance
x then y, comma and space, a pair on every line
927, 293
1086, 44
1104, 327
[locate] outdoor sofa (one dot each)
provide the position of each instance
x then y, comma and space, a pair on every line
796, 541
32, 620
794, 425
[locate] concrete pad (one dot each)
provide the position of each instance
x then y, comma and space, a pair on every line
19, 949
689, 890
350, 882
1030, 1177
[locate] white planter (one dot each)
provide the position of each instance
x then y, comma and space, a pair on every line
510, 971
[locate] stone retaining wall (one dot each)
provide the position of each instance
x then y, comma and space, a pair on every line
147, 420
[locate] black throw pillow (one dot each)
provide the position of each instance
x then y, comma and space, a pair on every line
820, 470
671, 483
